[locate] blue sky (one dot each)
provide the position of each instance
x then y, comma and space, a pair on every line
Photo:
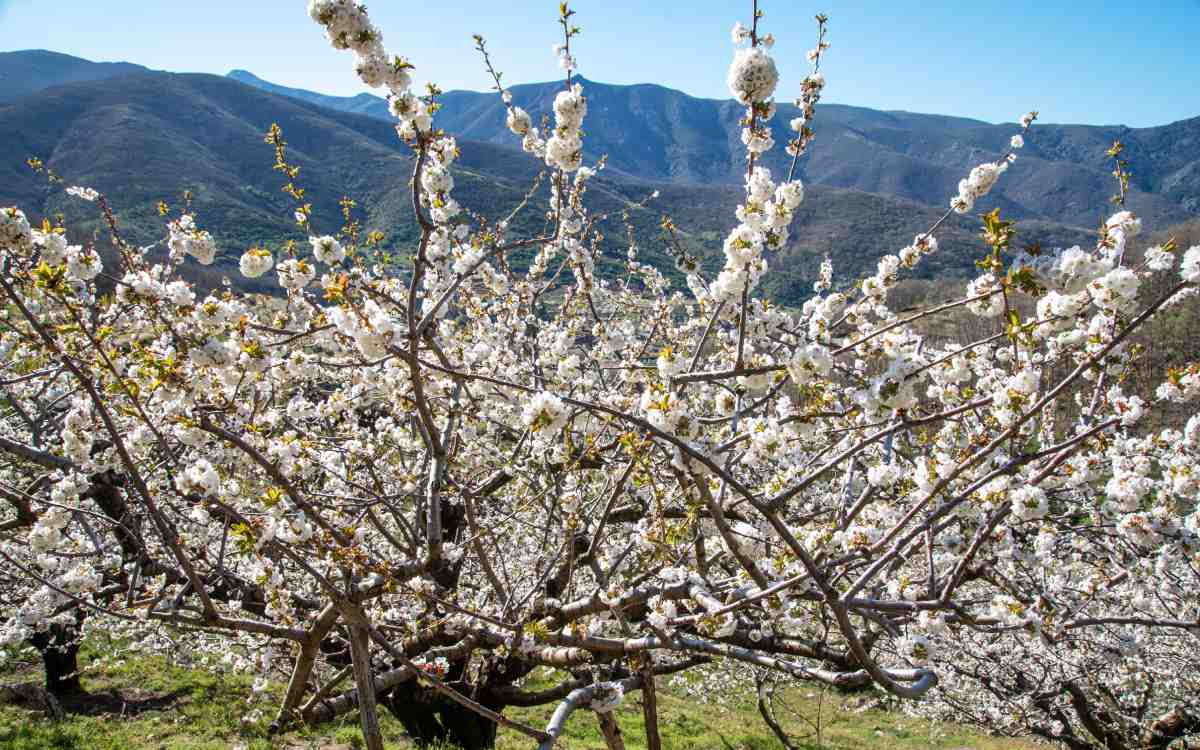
1092, 62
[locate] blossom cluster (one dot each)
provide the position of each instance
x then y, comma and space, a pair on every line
500, 458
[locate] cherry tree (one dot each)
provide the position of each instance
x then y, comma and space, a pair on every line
414, 483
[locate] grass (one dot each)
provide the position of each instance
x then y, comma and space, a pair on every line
147, 703
687, 724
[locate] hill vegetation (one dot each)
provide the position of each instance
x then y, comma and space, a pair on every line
657, 133
27, 71
149, 136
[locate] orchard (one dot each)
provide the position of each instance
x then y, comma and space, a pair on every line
408, 484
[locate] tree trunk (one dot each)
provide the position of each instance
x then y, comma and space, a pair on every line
431, 720
650, 704
611, 732
360, 655
59, 647
303, 667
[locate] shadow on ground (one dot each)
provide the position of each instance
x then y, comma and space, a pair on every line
111, 702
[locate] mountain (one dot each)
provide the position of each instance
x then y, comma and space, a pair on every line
149, 136
363, 104
656, 133
28, 71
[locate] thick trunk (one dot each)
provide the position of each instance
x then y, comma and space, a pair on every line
432, 721
59, 647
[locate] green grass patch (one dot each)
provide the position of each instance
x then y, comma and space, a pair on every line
147, 703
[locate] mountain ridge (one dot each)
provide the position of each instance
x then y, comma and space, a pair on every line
30, 71
657, 133
146, 136
654, 133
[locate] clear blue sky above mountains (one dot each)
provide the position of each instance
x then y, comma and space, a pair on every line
1133, 63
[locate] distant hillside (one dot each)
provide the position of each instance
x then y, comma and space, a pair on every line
656, 133
363, 104
150, 136
28, 71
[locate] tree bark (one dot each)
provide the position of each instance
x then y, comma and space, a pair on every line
431, 720
59, 647
360, 654
650, 704
767, 712
1176, 723
303, 667
612, 732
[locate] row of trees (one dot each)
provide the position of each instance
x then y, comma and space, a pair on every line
412, 484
